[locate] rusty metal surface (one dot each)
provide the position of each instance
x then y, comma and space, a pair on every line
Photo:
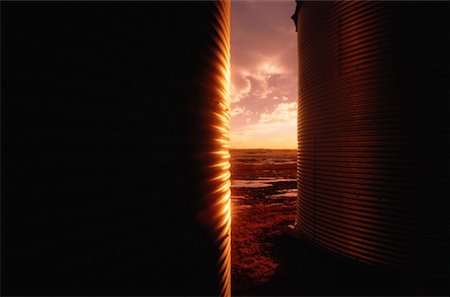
373, 132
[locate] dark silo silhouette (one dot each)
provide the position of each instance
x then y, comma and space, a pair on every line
115, 148
373, 132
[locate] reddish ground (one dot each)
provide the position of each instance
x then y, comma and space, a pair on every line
260, 212
268, 261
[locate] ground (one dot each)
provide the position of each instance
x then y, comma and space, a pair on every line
263, 205
267, 260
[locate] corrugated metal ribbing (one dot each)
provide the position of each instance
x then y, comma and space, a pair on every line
217, 194
117, 134
372, 131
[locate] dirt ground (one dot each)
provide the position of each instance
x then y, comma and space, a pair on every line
263, 205
267, 261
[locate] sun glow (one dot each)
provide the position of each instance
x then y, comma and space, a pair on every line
264, 76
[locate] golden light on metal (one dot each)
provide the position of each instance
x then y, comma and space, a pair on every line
218, 212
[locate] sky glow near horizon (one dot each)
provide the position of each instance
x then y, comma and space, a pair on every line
263, 75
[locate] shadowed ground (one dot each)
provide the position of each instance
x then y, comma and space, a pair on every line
266, 260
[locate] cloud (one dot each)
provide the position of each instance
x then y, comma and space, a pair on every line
240, 111
240, 87
236, 111
263, 73
266, 135
277, 129
283, 113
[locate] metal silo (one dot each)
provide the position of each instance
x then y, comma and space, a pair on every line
115, 143
373, 131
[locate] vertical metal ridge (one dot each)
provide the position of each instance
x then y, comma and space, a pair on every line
128, 182
371, 163
218, 197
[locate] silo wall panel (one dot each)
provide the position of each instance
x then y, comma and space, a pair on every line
115, 148
373, 131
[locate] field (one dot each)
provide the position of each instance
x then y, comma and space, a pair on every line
266, 260
264, 194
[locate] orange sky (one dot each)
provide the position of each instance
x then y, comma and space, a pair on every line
263, 75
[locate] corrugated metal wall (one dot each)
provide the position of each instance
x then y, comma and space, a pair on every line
373, 131
115, 145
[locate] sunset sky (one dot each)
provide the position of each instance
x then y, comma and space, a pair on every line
263, 75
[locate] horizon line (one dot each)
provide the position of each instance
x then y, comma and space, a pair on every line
259, 148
